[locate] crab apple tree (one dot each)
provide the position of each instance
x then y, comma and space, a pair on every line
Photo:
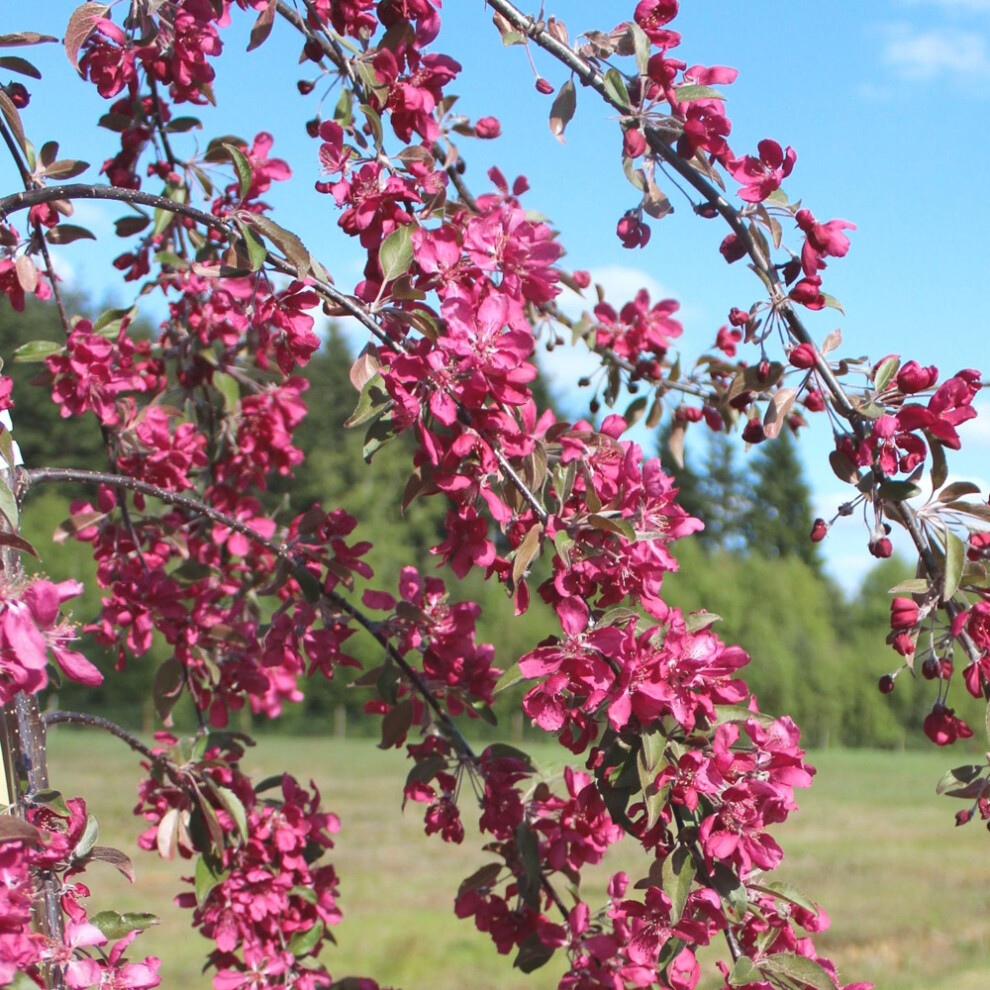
671, 752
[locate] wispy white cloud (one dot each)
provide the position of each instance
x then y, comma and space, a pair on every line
937, 53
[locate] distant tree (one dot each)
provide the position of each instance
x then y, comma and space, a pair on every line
41, 432
779, 516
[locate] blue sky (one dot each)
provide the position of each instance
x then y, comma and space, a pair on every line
886, 104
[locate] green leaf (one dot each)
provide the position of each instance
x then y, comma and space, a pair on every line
786, 892
303, 943
832, 303
241, 166
116, 926
743, 972
180, 125
305, 893
509, 679
208, 875
65, 169
898, 491
8, 504
291, 246
912, 586
11, 539
692, 91
379, 433
956, 491
485, 876
642, 47
229, 389
13, 119
527, 550
36, 351
109, 322
532, 954
885, 373
962, 782
308, 584
678, 875
15, 64
262, 26
697, 621
529, 851
731, 890
126, 226
396, 253
88, 839
371, 403
501, 751
256, 251
15, 829
375, 122
81, 24
799, 969
613, 524
562, 111
955, 558
234, 807
615, 88
66, 233
940, 470
396, 724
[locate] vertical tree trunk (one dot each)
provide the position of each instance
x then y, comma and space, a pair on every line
25, 760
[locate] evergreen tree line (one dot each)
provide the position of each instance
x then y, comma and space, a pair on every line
817, 656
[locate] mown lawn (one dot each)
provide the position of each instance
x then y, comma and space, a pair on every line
909, 894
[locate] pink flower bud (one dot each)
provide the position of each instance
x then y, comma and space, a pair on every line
488, 128
904, 644
808, 292
732, 248
544, 86
633, 143
582, 279
962, 817
913, 378
903, 613
753, 432
886, 684
819, 531
633, 232
803, 356
881, 548
814, 402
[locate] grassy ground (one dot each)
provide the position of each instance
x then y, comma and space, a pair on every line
909, 895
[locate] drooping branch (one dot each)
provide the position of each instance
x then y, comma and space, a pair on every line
61, 717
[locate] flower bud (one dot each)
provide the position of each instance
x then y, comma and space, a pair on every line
881, 548
544, 86
913, 378
732, 248
488, 128
819, 531
803, 356
632, 232
904, 613
633, 143
886, 684
753, 432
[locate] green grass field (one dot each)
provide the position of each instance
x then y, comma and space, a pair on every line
908, 894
